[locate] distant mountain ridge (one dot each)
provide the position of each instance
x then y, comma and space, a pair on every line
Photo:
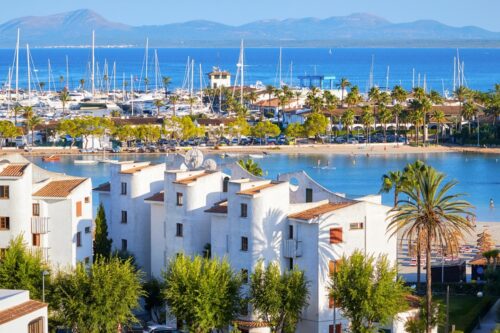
360, 29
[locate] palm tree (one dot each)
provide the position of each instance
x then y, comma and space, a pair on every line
41, 85
384, 117
31, 124
82, 84
146, 84
399, 94
396, 113
392, 180
158, 103
64, 98
344, 83
416, 115
348, 119
251, 166
468, 112
174, 99
191, 101
269, 91
439, 118
418, 93
432, 210
435, 97
297, 94
167, 80
61, 80
17, 110
425, 107
461, 93
368, 119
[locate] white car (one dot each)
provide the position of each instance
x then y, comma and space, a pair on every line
160, 329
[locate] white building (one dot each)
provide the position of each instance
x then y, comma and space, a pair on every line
219, 79
127, 215
53, 212
20, 314
293, 221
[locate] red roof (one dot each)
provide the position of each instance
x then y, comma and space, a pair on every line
14, 170
220, 208
158, 197
257, 189
318, 211
59, 188
20, 310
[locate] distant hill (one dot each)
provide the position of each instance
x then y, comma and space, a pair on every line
356, 30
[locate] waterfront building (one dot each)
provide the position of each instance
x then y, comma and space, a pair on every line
219, 78
53, 212
20, 314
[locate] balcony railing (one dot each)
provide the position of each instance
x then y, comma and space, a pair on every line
292, 248
42, 251
39, 225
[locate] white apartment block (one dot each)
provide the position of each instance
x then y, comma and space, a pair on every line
292, 220
20, 314
127, 214
53, 212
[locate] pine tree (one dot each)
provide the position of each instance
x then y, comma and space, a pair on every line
102, 244
485, 242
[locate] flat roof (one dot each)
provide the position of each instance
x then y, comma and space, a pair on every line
319, 210
192, 179
219, 207
104, 187
257, 189
137, 169
159, 197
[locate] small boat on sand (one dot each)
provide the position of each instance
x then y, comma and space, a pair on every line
255, 156
51, 158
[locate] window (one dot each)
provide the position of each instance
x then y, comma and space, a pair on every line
244, 243
335, 235
78, 239
225, 184
309, 195
86, 260
124, 245
244, 210
244, 275
36, 326
78, 208
4, 223
290, 263
4, 192
36, 241
338, 328
356, 226
36, 209
290, 232
179, 199
178, 230
87, 230
124, 216
87, 199
124, 189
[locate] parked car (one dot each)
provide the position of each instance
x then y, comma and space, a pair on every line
161, 329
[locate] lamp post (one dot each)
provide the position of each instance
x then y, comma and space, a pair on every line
44, 273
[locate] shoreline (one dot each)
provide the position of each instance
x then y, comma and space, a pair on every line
320, 149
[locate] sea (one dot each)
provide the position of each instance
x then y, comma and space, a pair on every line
362, 66
477, 175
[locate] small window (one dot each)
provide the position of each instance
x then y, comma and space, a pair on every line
124, 188
179, 230
86, 260
338, 328
335, 235
36, 240
124, 245
78, 239
225, 184
179, 199
78, 208
124, 216
309, 195
4, 192
36, 209
87, 230
290, 232
356, 226
244, 210
244, 275
244, 244
87, 200
290, 263
4, 223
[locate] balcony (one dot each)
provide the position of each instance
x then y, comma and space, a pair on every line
39, 225
292, 248
42, 251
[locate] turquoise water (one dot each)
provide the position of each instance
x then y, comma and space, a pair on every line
478, 175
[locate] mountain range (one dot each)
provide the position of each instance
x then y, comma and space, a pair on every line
356, 30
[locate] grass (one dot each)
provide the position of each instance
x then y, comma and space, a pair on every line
465, 309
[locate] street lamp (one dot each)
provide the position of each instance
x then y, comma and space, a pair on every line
44, 274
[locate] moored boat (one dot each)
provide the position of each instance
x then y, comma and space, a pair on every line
51, 158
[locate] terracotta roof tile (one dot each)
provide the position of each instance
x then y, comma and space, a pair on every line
220, 208
318, 211
105, 187
14, 170
20, 310
192, 179
250, 324
257, 189
159, 197
136, 169
59, 188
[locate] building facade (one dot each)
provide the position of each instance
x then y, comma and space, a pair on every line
20, 314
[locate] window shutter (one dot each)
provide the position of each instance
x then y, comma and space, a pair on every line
335, 235
78, 209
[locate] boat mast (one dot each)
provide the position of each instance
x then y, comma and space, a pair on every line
147, 55
201, 85
242, 62
49, 69
156, 70
29, 73
67, 73
123, 87
17, 64
281, 54
192, 79
92, 74
114, 81
387, 79
9, 100
132, 94
291, 73
371, 72
454, 73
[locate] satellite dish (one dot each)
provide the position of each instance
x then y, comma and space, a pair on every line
210, 165
193, 159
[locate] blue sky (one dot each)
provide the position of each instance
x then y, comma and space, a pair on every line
483, 13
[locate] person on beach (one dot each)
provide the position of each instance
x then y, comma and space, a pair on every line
492, 204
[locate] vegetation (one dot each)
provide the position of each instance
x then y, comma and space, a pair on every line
278, 297
204, 294
431, 210
102, 244
251, 166
367, 291
7, 130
